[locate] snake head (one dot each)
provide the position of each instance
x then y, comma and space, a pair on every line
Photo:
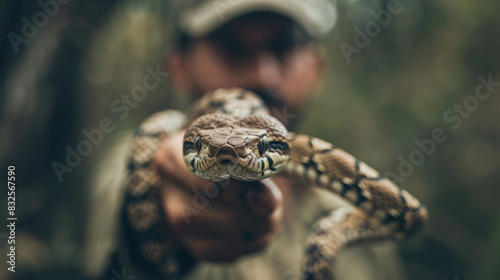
219, 147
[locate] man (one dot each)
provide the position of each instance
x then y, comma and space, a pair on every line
268, 47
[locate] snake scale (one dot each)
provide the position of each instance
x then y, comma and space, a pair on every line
231, 134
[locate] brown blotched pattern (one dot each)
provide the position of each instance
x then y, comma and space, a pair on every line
384, 211
143, 221
232, 135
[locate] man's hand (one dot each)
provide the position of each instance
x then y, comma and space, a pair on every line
216, 223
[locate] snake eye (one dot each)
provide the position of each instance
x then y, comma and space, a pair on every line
263, 145
197, 143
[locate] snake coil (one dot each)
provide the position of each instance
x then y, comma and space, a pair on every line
232, 135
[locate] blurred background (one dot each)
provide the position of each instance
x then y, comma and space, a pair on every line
377, 101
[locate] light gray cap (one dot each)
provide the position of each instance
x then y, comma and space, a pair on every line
198, 18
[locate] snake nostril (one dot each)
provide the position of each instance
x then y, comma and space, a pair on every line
226, 162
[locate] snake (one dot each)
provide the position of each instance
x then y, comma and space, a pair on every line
231, 135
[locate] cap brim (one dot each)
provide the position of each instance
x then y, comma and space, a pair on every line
317, 17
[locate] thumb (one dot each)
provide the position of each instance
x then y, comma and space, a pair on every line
263, 197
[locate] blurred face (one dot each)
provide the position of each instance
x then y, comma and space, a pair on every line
265, 53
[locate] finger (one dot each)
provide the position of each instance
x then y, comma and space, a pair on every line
189, 215
264, 197
217, 221
253, 198
220, 250
256, 199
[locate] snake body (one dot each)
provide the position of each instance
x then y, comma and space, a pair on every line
232, 135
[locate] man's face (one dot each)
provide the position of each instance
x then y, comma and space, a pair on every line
263, 53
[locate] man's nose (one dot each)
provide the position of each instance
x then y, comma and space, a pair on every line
265, 71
